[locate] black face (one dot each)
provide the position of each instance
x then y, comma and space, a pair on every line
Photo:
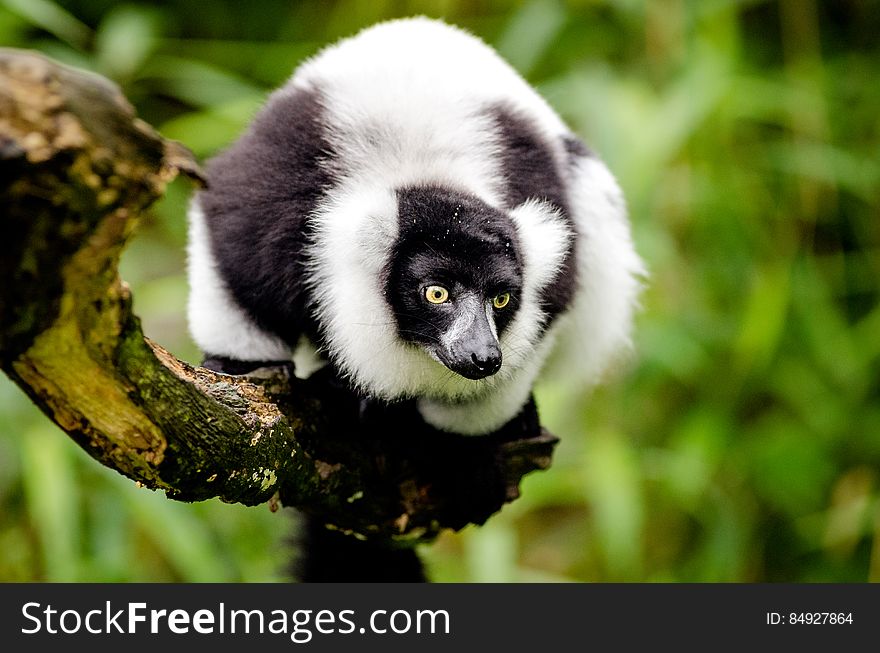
455, 280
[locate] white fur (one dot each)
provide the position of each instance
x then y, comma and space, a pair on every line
306, 359
396, 128
596, 328
217, 323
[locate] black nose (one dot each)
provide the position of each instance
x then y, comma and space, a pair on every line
487, 362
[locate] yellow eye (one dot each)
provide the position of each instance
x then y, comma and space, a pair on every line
436, 294
500, 301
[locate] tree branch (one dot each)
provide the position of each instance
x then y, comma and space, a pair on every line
77, 168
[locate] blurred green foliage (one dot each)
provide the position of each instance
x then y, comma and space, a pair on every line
742, 442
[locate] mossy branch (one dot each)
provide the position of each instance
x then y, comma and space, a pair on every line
77, 169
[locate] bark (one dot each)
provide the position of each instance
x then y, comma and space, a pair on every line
77, 169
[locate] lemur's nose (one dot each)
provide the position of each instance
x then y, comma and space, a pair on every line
487, 361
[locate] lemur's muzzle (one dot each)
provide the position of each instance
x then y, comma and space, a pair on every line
470, 346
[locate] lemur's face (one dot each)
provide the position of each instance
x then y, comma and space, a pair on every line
455, 282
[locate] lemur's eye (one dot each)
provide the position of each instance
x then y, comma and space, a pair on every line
500, 301
436, 294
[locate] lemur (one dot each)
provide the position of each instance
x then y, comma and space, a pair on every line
409, 211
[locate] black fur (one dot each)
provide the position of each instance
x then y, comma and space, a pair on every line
237, 367
262, 190
576, 149
468, 471
454, 239
328, 556
531, 171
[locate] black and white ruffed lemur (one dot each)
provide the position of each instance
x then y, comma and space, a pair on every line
407, 210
